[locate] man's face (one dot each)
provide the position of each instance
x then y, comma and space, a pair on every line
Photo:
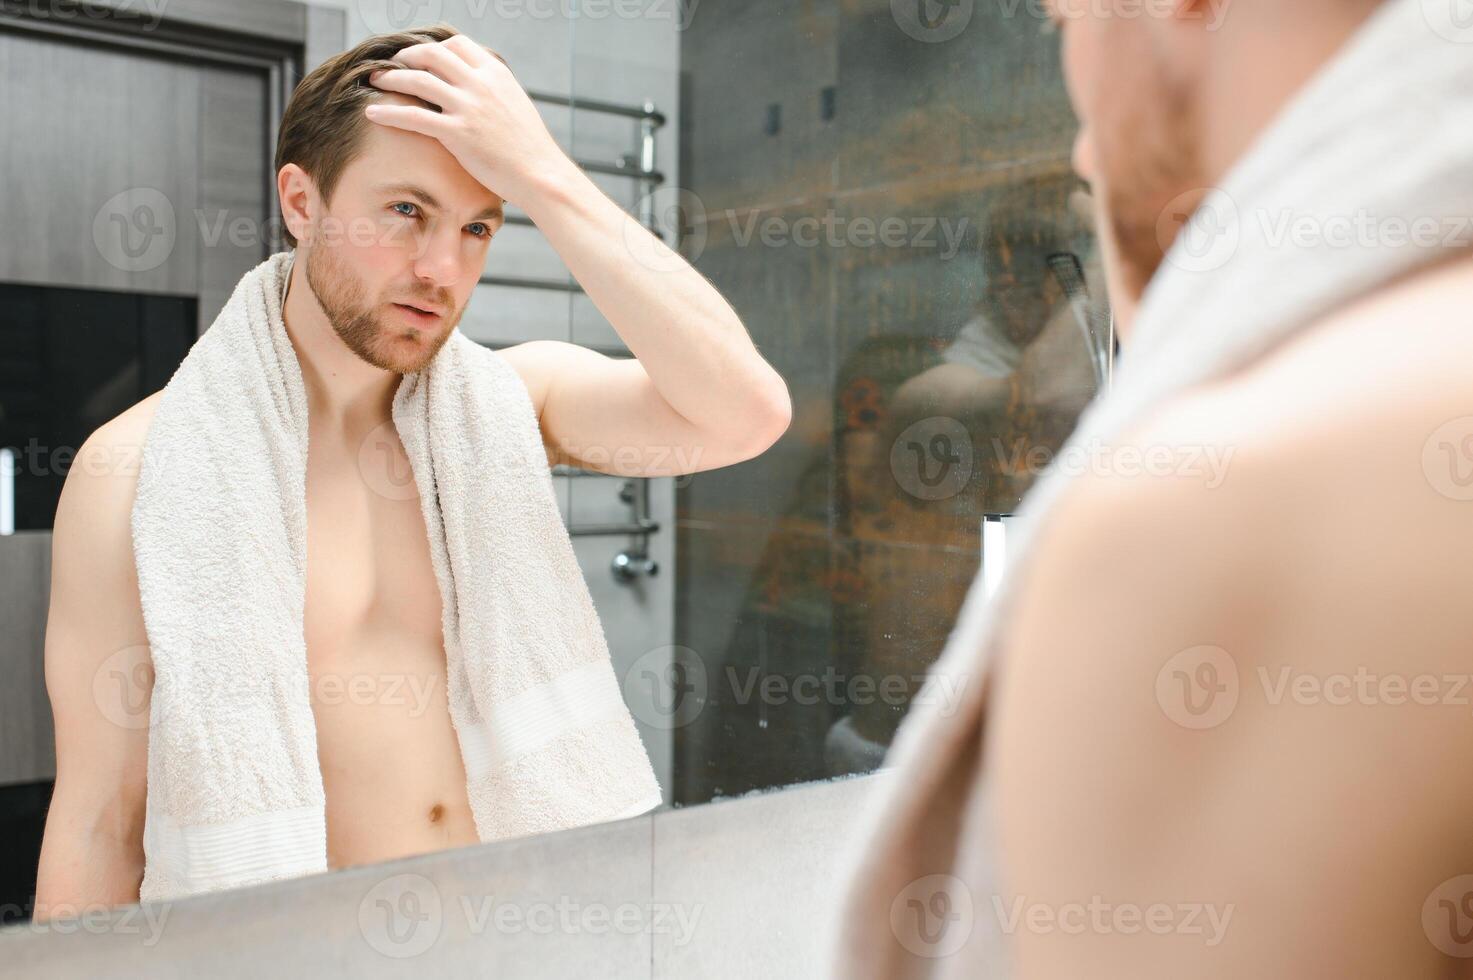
1135, 91
406, 227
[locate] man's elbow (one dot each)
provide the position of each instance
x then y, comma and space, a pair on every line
770, 419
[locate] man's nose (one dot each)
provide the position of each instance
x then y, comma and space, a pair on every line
441, 258
1083, 158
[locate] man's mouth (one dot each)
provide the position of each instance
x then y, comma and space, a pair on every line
421, 314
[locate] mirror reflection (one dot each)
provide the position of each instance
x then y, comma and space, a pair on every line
606, 422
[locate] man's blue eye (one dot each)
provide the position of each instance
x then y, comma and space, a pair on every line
403, 204
485, 232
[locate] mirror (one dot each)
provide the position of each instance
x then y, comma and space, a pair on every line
881, 191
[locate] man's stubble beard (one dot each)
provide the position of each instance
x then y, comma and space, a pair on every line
359, 328
1138, 186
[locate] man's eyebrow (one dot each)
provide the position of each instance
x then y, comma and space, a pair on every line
428, 200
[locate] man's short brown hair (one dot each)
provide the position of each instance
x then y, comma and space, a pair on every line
323, 127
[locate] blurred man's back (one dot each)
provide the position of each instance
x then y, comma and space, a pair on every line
1227, 718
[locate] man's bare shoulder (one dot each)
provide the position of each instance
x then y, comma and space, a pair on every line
103, 476
1202, 672
95, 608
1300, 467
536, 362
130, 426
1365, 415
1359, 385
1399, 354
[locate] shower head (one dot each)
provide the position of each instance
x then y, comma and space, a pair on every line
1098, 338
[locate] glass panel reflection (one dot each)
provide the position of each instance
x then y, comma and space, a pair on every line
896, 221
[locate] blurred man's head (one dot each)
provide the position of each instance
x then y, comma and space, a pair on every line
388, 220
1029, 223
1169, 94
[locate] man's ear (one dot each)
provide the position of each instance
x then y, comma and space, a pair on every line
1204, 13
298, 192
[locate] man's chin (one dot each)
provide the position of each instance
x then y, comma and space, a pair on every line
410, 352
1129, 262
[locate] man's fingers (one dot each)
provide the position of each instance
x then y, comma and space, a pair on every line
420, 84
434, 57
409, 117
472, 53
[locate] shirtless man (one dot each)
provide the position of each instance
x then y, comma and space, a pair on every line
1325, 822
1226, 726
433, 185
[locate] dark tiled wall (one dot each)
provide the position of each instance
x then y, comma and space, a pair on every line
70, 360
839, 558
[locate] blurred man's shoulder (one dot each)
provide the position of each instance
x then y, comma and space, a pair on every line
1374, 378
1361, 426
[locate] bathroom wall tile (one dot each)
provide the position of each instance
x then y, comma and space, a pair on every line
637, 614
895, 627
627, 60
755, 610
782, 290
523, 252
916, 109
759, 63
27, 739
504, 315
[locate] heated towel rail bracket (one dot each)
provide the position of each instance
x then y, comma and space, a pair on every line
634, 562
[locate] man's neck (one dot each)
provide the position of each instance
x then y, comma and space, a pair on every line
343, 390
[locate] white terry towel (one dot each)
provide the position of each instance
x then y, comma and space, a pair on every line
1384, 133
235, 793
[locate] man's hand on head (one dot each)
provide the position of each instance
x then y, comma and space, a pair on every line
486, 119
